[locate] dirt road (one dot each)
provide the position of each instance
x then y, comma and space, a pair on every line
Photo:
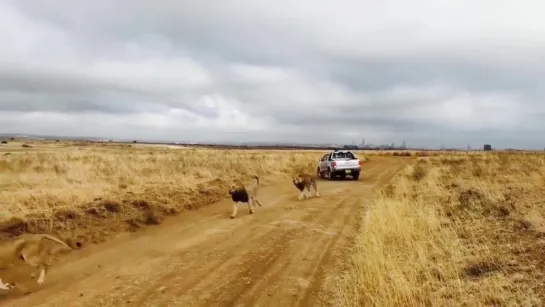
286, 254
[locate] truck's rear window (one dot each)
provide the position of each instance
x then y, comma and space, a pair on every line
343, 155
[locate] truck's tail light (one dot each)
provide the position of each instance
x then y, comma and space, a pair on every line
334, 164
360, 162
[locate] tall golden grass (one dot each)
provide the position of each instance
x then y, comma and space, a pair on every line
56, 187
453, 231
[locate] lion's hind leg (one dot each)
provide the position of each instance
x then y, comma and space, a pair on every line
315, 186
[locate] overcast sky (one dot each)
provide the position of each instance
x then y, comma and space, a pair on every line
431, 72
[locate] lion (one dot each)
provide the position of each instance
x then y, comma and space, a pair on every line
239, 194
31, 249
303, 182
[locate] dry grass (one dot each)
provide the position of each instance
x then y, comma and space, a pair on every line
453, 231
73, 186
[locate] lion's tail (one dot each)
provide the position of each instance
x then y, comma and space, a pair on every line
54, 239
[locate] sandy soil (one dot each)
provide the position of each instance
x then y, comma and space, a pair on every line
286, 254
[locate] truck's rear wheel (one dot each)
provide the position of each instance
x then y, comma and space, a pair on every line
356, 176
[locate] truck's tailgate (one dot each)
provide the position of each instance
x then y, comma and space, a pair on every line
347, 163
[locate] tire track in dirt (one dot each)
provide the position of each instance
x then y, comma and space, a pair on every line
256, 269
325, 253
292, 264
282, 255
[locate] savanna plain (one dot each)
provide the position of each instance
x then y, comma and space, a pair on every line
150, 227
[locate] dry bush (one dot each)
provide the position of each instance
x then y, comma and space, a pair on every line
402, 154
453, 230
60, 186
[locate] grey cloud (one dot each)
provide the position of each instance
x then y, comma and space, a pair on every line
356, 121
378, 74
64, 103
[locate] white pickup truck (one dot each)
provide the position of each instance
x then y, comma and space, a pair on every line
339, 163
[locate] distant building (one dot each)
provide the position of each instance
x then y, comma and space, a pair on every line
487, 147
352, 147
